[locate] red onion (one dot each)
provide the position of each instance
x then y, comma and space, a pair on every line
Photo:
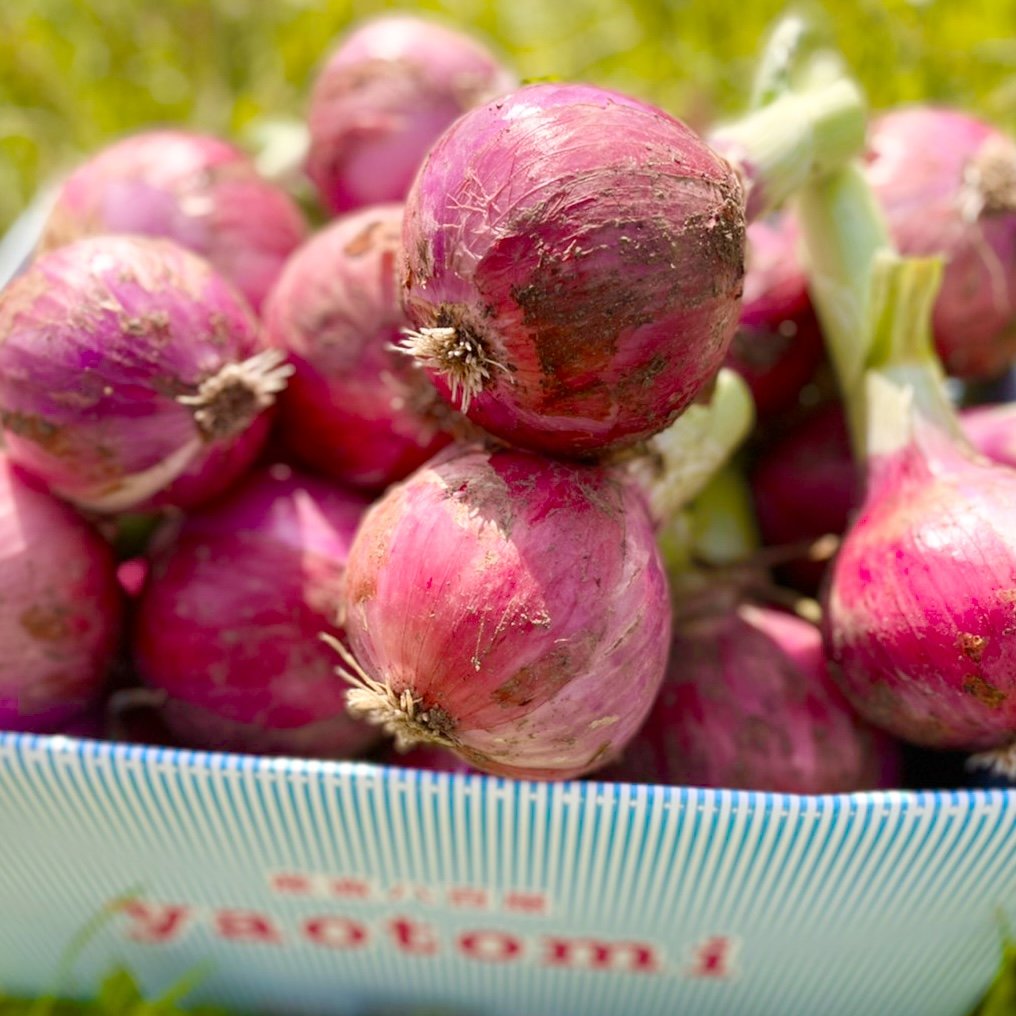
804, 486
778, 345
199, 191
748, 703
132, 374
355, 408
920, 618
60, 609
573, 262
384, 96
946, 182
229, 620
511, 608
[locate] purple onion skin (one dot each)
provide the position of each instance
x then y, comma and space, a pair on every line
229, 620
748, 703
199, 191
778, 344
920, 613
384, 97
97, 342
917, 161
355, 409
590, 245
521, 601
60, 612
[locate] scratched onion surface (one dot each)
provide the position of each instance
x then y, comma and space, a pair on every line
98, 340
522, 600
920, 621
593, 246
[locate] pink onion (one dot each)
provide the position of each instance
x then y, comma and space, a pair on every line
573, 264
132, 374
197, 190
748, 703
60, 608
510, 608
355, 408
778, 345
947, 184
920, 616
384, 96
229, 621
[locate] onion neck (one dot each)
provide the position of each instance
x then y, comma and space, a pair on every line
796, 137
682, 459
843, 232
905, 383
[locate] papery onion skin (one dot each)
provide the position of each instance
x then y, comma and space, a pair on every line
384, 96
748, 703
60, 610
101, 344
778, 344
356, 409
920, 613
946, 182
519, 602
229, 622
200, 191
587, 250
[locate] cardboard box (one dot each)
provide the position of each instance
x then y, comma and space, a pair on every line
315, 887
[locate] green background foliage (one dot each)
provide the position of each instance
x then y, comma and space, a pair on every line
76, 73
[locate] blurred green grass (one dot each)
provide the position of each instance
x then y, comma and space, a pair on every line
76, 73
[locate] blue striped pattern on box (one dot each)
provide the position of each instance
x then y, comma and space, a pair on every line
341, 887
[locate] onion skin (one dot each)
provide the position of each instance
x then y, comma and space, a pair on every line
60, 611
428, 757
199, 191
588, 251
104, 345
748, 703
778, 344
920, 612
228, 625
383, 98
516, 606
921, 162
355, 408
